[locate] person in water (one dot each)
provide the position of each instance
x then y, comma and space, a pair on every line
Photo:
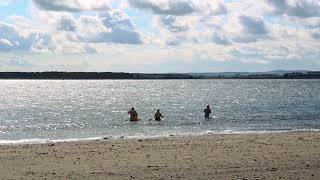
158, 115
207, 112
133, 114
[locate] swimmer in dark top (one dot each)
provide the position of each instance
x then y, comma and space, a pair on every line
207, 112
158, 115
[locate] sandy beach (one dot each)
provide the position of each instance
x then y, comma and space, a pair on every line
259, 156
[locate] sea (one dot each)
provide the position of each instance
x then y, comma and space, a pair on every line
40, 111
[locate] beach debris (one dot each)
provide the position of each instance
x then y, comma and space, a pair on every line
30, 173
51, 144
272, 169
154, 167
41, 153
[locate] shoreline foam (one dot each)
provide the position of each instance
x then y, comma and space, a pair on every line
205, 133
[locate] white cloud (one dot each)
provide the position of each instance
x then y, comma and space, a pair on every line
195, 32
236, 23
14, 39
172, 24
5, 44
72, 5
169, 7
221, 38
313, 22
299, 8
21, 22
253, 25
180, 7
316, 35
109, 27
67, 23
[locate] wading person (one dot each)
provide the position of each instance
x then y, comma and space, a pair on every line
207, 112
133, 114
158, 115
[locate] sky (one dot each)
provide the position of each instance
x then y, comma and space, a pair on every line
159, 36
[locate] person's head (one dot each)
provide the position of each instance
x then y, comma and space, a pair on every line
208, 106
132, 108
158, 110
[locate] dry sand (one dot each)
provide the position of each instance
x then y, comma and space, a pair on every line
265, 156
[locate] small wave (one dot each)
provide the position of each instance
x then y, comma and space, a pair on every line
148, 136
23, 141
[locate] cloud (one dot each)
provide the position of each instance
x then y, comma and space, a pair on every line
169, 7
316, 35
175, 40
172, 25
298, 8
245, 29
14, 39
253, 25
221, 38
67, 23
179, 7
313, 22
20, 22
177, 28
72, 5
112, 26
184, 31
123, 30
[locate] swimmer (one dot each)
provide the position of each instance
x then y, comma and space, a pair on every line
158, 115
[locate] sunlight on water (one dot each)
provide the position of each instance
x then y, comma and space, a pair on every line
59, 110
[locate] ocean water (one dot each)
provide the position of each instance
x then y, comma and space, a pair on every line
34, 111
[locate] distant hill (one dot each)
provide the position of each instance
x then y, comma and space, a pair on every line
233, 74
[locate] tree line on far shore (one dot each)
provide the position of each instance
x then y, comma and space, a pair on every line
90, 75
121, 75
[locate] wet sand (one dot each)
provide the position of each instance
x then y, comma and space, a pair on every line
265, 156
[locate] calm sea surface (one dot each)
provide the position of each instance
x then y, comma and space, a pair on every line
55, 110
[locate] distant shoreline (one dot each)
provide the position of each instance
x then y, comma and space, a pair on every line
152, 76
